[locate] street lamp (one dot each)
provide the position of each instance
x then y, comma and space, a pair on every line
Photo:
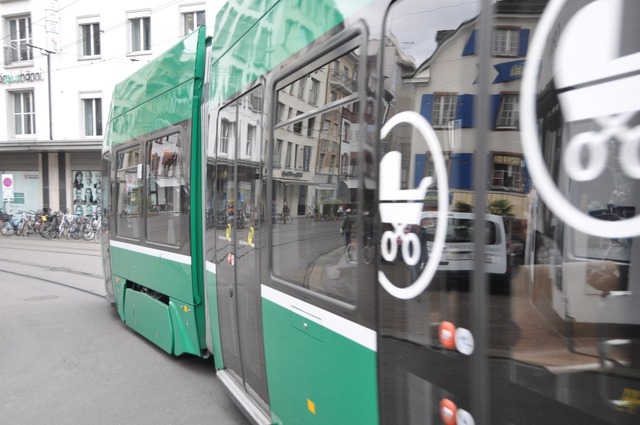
48, 54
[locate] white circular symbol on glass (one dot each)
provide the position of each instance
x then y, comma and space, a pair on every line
403, 207
464, 341
605, 92
464, 418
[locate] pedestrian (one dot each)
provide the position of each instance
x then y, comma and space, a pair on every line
347, 226
285, 212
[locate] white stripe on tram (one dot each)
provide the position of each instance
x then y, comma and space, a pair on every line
346, 328
152, 252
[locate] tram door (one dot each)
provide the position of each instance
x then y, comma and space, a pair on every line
233, 247
519, 304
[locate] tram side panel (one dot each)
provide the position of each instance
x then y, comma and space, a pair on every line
151, 145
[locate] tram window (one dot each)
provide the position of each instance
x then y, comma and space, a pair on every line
163, 190
308, 250
129, 187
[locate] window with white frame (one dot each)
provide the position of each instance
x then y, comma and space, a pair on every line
444, 109
301, 85
90, 37
314, 91
24, 113
192, 20
346, 132
508, 115
140, 34
506, 41
226, 128
506, 173
92, 112
287, 159
17, 41
310, 126
277, 153
251, 137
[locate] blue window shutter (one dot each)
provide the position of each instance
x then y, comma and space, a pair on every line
464, 110
524, 42
426, 108
495, 107
421, 163
461, 171
470, 47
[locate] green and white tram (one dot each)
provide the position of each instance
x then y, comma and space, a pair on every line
401, 117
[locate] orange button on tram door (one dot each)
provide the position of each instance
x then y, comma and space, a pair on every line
446, 334
448, 411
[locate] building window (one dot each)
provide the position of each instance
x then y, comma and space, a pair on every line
92, 109
506, 173
24, 113
287, 160
277, 153
444, 109
310, 124
90, 39
192, 20
509, 112
19, 38
251, 136
301, 85
313, 92
225, 133
506, 42
140, 34
297, 127
346, 132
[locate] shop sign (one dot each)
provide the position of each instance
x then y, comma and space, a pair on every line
22, 77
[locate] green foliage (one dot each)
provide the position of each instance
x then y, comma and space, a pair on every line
462, 207
501, 207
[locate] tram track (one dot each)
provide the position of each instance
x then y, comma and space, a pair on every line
72, 264
31, 276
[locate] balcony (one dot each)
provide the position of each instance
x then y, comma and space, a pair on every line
341, 83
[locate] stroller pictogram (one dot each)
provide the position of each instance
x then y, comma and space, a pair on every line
595, 69
401, 208
605, 90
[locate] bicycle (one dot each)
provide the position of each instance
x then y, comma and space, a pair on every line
314, 214
279, 218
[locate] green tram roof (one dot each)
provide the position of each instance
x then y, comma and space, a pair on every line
161, 93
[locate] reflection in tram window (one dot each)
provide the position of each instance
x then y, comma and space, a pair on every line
315, 172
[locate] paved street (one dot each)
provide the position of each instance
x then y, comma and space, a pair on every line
66, 358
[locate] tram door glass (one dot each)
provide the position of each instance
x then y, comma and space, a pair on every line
316, 167
562, 287
232, 242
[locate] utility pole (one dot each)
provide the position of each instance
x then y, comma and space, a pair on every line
48, 54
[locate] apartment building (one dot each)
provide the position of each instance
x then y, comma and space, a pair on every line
60, 62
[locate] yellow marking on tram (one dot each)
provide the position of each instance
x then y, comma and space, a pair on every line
311, 406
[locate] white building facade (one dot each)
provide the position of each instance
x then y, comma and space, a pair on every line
60, 62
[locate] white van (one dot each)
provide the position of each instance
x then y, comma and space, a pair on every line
458, 250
